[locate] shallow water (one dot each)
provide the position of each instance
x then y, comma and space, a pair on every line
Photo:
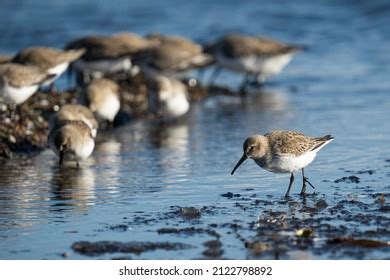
141, 174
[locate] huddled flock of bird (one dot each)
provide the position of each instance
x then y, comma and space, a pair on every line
163, 60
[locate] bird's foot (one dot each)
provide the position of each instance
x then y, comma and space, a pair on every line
306, 180
256, 84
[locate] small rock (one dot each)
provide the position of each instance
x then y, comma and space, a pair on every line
381, 199
122, 258
189, 213
214, 249
256, 248
119, 228
44, 102
367, 243
370, 172
192, 82
321, 204
349, 179
384, 208
230, 195
12, 139
304, 232
109, 247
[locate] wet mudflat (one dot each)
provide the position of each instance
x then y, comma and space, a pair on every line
165, 191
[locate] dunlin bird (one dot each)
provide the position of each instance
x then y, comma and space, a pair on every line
168, 97
257, 57
71, 141
53, 61
107, 54
171, 55
164, 39
283, 152
74, 112
19, 82
102, 97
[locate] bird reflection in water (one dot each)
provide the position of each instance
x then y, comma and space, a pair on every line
171, 139
20, 204
255, 99
108, 161
73, 188
265, 99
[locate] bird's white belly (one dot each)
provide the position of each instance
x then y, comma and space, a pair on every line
175, 107
109, 108
80, 151
84, 150
17, 95
275, 64
266, 65
57, 70
288, 163
103, 66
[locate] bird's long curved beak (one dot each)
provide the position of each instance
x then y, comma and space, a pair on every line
61, 159
242, 159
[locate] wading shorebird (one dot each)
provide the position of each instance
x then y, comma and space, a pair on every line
71, 141
74, 112
258, 58
102, 97
53, 61
19, 82
168, 97
106, 54
171, 55
283, 152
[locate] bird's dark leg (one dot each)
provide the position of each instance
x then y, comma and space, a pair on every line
20, 109
79, 78
13, 111
257, 80
70, 73
289, 186
310, 184
304, 181
82, 78
303, 190
60, 164
214, 76
110, 125
53, 88
245, 82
